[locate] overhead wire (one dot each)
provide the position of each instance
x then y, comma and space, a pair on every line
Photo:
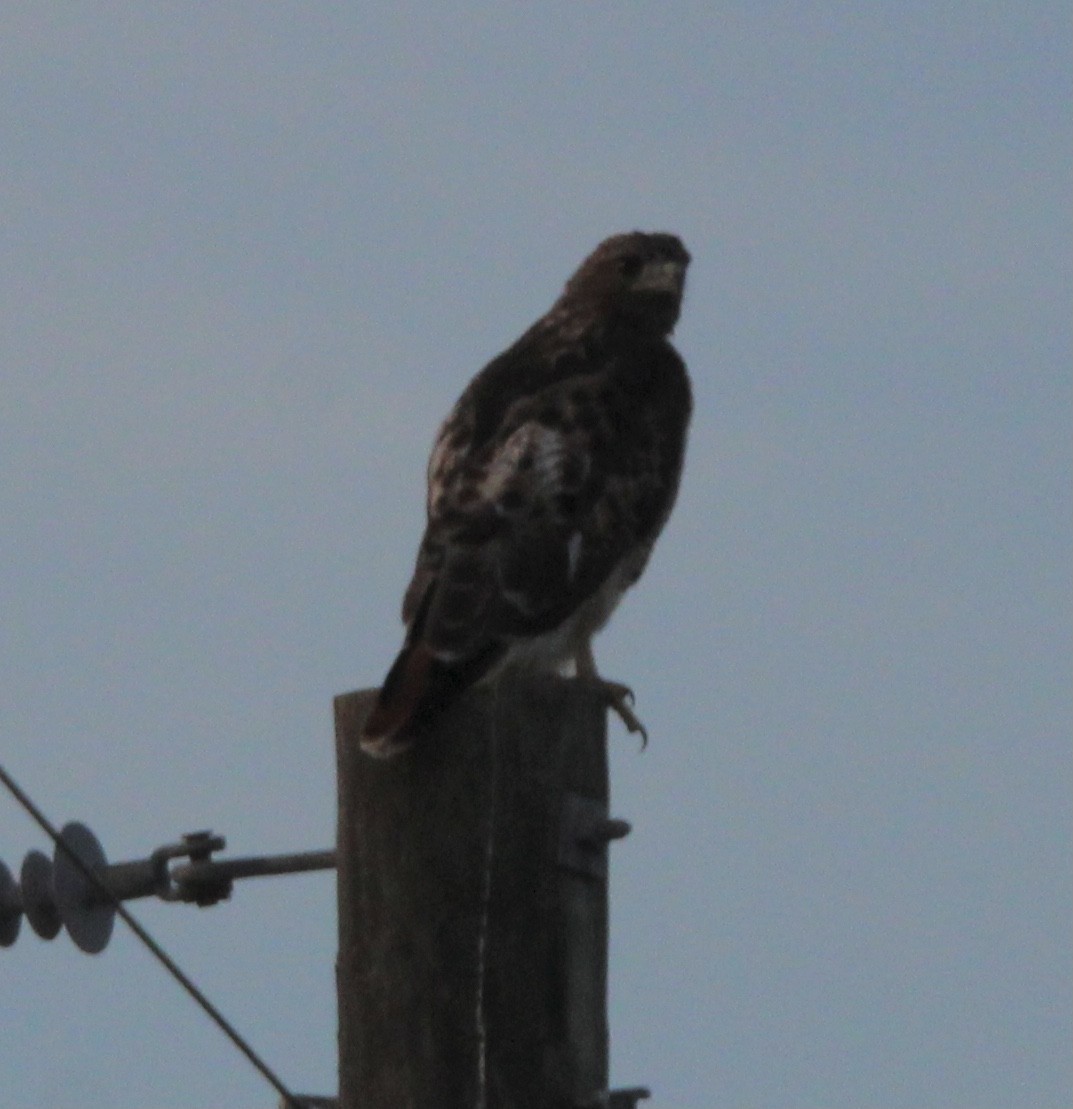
155, 949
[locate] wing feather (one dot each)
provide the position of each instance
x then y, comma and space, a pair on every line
528, 521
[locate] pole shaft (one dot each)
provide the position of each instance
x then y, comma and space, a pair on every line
472, 967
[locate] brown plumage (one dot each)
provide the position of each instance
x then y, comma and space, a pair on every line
548, 484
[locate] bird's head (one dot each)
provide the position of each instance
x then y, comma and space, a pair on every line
635, 278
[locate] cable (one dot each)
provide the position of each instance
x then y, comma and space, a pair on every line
158, 952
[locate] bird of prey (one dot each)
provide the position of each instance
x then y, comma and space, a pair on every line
548, 484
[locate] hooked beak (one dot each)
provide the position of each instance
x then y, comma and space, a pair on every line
661, 277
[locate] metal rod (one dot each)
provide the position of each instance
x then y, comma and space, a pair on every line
256, 866
127, 881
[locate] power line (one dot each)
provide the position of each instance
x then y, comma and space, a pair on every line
156, 950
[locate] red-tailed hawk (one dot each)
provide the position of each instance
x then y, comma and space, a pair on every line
547, 487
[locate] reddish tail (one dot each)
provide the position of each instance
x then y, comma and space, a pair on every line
390, 727
418, 688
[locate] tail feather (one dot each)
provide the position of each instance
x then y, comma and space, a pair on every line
388, 731
418, 688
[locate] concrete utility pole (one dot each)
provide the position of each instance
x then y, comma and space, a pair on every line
473, 905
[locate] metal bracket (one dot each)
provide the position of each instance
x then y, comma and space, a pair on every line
57, 892
585, 830
626, 1098
10, 907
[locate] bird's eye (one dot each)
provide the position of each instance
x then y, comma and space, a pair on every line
630, 266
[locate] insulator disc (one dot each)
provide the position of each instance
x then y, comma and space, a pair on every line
86, 915
39, 896
10, 911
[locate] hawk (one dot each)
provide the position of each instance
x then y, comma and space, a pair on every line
548, 484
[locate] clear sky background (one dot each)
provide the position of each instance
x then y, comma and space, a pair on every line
250, 255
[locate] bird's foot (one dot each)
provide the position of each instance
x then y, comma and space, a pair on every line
620, 699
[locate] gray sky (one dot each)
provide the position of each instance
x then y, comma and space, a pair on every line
250, 255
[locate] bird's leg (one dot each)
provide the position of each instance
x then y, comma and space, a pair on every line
618, 697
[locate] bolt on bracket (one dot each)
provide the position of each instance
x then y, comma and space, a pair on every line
585, 830
626, 1098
